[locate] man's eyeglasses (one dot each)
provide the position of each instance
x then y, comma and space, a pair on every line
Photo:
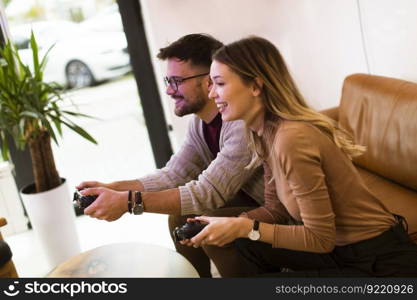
174, 82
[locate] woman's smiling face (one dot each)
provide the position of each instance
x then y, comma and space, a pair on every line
235, 99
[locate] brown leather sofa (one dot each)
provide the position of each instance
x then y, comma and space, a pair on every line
7, 268
381, 113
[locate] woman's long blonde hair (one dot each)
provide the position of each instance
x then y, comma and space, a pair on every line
257, 58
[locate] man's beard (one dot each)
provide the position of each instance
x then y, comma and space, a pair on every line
191, 107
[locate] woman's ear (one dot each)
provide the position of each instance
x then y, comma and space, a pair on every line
257, 86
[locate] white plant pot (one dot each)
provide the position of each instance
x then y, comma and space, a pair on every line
53, 220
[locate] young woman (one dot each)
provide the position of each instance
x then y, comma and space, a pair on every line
319, 217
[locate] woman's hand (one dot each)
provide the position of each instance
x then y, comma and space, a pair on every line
220, 231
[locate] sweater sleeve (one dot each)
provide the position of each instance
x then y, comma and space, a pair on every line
225, 175
273, 211
298, 152
182, 167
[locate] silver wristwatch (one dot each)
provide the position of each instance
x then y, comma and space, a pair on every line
138, 204
254, 234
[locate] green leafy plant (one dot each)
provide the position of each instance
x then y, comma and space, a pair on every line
30, 114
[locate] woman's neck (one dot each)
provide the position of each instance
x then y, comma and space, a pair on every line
257, 121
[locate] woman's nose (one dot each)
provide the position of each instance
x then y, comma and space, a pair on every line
212, 93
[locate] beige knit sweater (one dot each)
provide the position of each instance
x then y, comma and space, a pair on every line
206, 182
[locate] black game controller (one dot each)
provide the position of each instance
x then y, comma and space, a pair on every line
83, 202
188, 230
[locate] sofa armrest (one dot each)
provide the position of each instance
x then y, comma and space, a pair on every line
3, 222
7, 267
332, 113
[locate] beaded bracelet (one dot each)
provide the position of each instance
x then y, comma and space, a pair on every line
129, 202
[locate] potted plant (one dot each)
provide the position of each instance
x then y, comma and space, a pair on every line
31, 115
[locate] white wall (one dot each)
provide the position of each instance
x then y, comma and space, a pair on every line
321, 40
10, 205
390, 35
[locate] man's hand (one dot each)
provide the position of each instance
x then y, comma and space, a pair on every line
92, 184
124, 185
110, 205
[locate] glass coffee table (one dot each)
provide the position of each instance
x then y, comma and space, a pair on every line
126, 260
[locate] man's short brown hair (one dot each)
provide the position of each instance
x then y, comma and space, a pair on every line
196, 48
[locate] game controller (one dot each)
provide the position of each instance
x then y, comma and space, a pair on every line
188, 230
82, 201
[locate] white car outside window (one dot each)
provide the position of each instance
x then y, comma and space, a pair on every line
79, 57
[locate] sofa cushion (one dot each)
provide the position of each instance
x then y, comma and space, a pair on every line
381, 113
399, 200
5, 253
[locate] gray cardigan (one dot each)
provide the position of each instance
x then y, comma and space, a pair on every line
206, 182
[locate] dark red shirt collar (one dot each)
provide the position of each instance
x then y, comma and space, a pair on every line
212, 134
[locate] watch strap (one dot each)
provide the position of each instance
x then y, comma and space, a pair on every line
138, 198
255, 225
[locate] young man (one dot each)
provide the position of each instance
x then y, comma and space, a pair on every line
208, 175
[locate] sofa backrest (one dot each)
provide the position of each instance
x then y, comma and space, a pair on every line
381, 113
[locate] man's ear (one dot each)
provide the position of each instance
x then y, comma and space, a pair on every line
257, 87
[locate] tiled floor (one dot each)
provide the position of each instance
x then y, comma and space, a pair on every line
147, 228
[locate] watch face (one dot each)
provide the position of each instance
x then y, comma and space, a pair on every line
138, 209
254, 235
